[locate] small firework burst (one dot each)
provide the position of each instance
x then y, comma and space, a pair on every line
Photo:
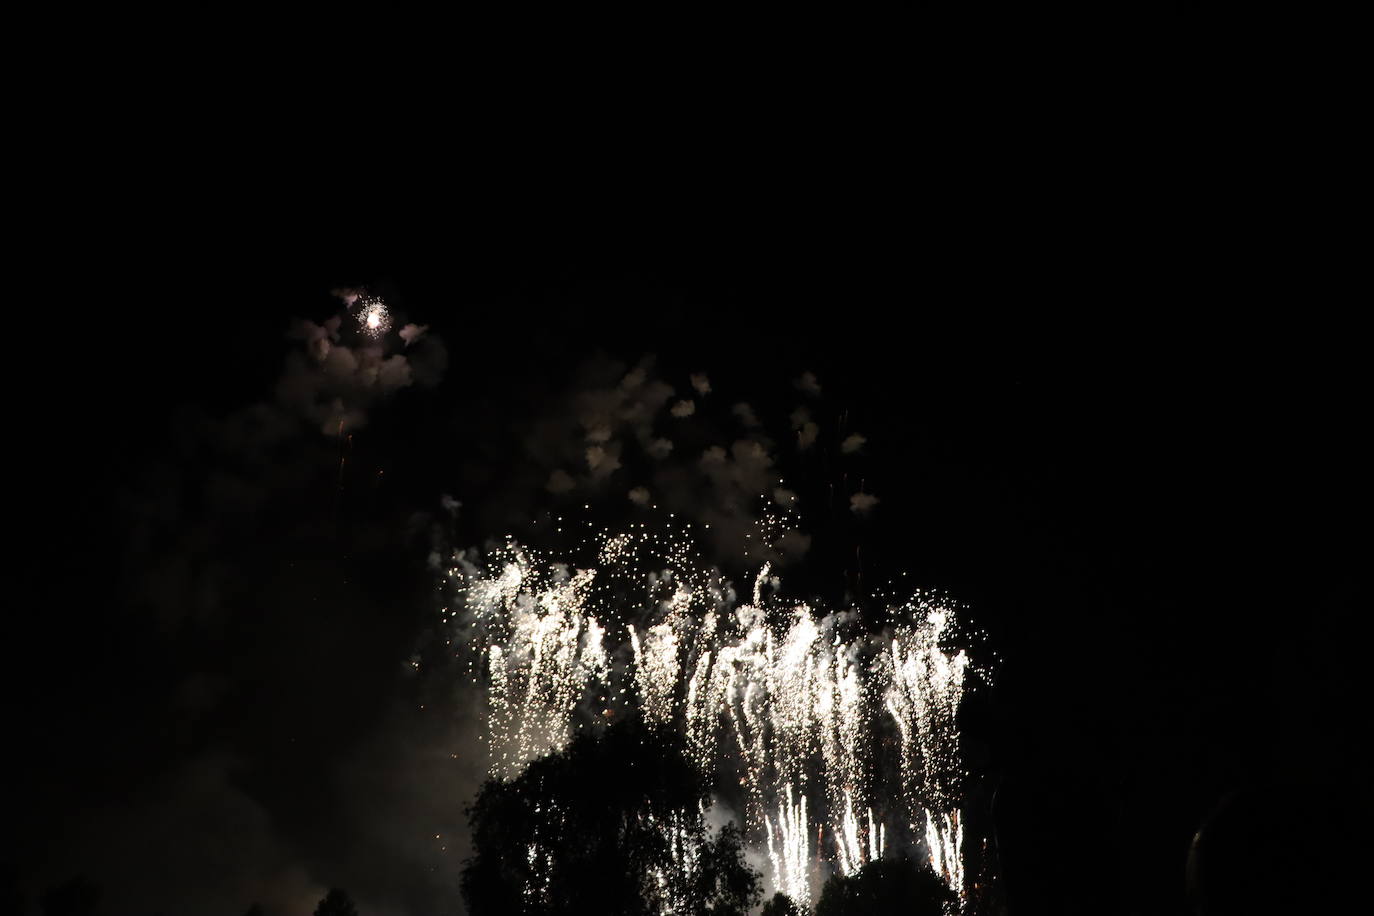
373, 316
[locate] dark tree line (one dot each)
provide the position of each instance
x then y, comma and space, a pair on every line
781, 905
582, 831
886, 886
336, 903
890, 886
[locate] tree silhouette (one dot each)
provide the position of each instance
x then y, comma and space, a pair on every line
781, 905
612, 825
77, 897
887, 886
336, 903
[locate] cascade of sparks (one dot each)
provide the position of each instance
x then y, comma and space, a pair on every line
792, 705
788, 846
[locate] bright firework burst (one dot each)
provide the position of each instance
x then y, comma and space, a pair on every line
373, 316
792, 704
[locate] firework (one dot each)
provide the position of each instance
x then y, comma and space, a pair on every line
786, 703
789, 847
373, 316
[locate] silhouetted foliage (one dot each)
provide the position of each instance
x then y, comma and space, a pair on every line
781, 905
257, 910
77, 897
601, 828
336, 903
888, 886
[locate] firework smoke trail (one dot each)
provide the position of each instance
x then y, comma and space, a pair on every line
781, 696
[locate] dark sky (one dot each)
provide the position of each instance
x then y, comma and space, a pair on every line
1132, 453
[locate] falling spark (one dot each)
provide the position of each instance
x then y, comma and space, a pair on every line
787, 848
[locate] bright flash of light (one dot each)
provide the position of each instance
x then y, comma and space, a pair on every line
373, 316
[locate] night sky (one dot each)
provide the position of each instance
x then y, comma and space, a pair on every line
1132, 455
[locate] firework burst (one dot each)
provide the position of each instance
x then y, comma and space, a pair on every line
373, 316
787, 706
